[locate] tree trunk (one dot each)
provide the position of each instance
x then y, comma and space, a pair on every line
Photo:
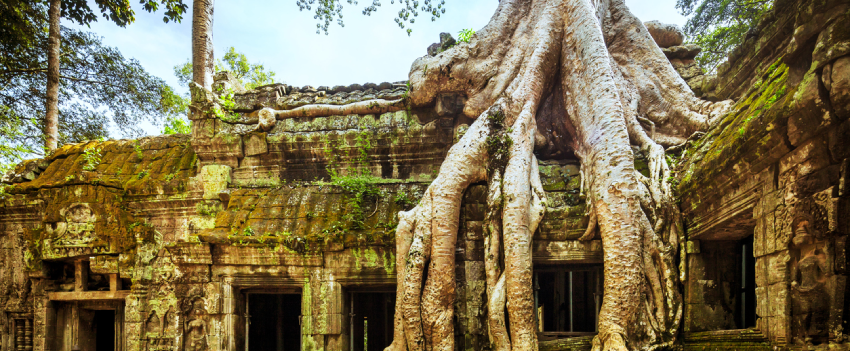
203, 62
586, 68
51, 115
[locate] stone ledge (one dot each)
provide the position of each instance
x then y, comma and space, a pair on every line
88, 295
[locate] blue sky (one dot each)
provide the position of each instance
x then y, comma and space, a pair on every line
284, 39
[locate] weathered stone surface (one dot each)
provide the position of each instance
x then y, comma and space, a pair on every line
839, 86
665, 35
682, 52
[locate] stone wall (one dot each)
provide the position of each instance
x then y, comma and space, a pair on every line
774, 169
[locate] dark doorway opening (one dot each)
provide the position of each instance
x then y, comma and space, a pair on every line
372, 320
745, 311
567, 299
104, 330
274, 322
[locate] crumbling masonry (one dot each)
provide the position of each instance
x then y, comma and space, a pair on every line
264, 232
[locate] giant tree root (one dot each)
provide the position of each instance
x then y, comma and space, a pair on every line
593, 71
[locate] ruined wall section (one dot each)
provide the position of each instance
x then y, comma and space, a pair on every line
101, 202
775, 168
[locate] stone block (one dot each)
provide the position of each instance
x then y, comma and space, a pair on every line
810, 114
762, 231
474, 230
697, 291
779, 296
474, 270
777, 267
215, 179
692, 247
704, 317
779, 329
839, 148
328, 323
474, 250
762, 302
839, 90
761, 272
665, 35
696, 266
255, 144
806, 159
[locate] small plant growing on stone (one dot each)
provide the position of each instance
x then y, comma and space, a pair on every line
227, 104
465, 35
91, 158
142, 174
137, 147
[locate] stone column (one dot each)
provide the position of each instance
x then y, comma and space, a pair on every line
134, 308
770, 247
228, 310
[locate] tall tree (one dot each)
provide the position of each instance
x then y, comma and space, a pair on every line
51, 101
718, 26
542, 77
203, 60
118, 11
98, 88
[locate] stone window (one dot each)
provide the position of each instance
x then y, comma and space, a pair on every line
568, 298
371, 320
745, 311
273, 321
22, 331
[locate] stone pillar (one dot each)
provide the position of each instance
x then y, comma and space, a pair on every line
770, 247
228, 310
134, 308
322, 314
44, 323
81, 275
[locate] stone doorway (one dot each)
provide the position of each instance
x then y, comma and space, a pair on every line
371, 321
90, 325
273, 322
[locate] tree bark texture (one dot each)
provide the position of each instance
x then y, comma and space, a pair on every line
546, 77
203, 63
51, 115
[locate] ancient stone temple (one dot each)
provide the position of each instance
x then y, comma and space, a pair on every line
258, 233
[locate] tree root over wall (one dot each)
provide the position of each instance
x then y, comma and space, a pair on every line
580, 74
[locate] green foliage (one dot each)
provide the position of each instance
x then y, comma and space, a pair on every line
465, 35
137, 148
175, 108
359, 188
718, 26
227, 104
142, 174
91, 158
119, 11
177, 125
98, 87
250, 75
405, 200
331, 10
